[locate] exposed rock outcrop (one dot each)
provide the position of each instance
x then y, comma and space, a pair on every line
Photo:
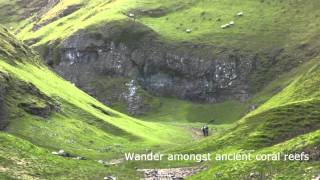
132, 52
39, 109
3, 109
40, 104
134, 101
172, 173
104, 60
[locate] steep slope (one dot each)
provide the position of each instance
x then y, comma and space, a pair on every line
170, 48
175, 49
288, 123
40, 107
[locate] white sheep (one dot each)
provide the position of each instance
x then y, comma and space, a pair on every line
225, 26
240, 14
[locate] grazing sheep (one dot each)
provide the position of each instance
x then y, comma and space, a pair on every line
132, 16
188, 30
240, 14
231, 23
225, 26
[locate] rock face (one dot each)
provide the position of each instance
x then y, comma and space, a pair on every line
206, 73
3, 111
42, 110
40, 105
134, 101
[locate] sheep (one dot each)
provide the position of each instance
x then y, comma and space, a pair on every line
225, 26
239, 14
188, 30
231, 23
132, 16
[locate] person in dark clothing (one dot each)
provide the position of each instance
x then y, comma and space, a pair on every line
205, 130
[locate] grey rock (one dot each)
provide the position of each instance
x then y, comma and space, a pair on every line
34, 109
80, 158
101, 161
54, 153
110, 178
61, 153
90, 60
3, 109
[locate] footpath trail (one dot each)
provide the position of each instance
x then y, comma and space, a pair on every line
196, 133
174, 173
179, 173
170, 174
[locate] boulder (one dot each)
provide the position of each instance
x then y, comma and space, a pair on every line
61, 153
3, 110
42, 109
103, 162
80, 158
109, 178
317, 178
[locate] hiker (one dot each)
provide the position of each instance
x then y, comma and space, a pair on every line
205, 130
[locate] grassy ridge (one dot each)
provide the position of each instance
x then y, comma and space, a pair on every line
81, 126
184, 111
270, 23
287, 123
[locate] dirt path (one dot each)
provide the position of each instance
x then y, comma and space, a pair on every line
196, 133
170, 174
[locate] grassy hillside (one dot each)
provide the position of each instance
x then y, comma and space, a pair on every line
264, 24
76, 122
280, 35
185, 111
287, 123
286, 119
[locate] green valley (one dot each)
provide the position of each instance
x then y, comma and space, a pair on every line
84, 83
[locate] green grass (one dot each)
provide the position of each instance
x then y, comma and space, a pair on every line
173, 110
267, 26
54, 86
270, 23
287, 122
81, 126
21, 159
